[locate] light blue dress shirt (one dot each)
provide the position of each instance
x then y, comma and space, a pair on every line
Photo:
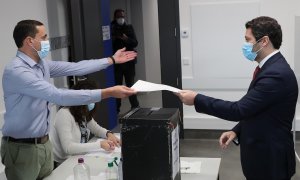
28, 92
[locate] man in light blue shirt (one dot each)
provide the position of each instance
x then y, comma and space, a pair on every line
26, 151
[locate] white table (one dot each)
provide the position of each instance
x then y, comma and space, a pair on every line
96, 164
209, 168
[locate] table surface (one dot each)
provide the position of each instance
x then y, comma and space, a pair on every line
209, 167
97, 164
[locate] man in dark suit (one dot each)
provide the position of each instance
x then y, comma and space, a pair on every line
123, 35
265, 113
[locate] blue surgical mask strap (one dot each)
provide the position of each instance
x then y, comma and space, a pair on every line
34, 49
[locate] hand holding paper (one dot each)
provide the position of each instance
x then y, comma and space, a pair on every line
187, 97
117, 92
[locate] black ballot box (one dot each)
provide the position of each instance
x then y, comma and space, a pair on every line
150, 144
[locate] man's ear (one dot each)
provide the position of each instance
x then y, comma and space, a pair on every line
266, 40
28, 40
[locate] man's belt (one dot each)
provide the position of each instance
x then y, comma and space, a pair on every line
40, 140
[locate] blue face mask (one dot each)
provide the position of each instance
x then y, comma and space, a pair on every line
45, 48
91, 106
247, 51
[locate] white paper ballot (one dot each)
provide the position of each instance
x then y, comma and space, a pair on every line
144, 86
190, 167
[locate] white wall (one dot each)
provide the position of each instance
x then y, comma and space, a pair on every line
11, 12
58, 26
216, 66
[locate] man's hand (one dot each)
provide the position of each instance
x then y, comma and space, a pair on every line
226, 138
117, 92
124, 37
107, 145
122, 56
114, 139
187, 97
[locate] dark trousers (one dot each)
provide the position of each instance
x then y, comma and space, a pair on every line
126, 70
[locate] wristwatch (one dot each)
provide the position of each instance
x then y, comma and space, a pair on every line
108, 132
113, 59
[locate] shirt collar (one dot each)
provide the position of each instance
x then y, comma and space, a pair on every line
26, 58
267, 58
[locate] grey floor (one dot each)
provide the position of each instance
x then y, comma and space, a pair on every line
230, 168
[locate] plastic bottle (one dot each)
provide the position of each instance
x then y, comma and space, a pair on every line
81, 170
120, 170
111, 172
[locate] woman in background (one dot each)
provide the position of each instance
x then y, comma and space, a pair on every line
72, 127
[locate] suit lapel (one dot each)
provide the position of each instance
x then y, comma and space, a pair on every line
272, 60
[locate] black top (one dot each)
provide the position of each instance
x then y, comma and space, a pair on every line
118, 31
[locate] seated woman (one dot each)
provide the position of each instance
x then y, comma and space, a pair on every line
72, 127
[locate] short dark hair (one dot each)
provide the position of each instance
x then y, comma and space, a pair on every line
266, 26
117, 11
23, 29
80, 112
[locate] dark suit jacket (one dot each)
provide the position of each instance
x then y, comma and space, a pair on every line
265, 116
131, 43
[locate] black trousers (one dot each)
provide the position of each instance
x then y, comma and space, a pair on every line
126, 70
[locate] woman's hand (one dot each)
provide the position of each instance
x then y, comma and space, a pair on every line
114, 139
107, 145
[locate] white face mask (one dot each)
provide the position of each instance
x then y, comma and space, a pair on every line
121, 21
